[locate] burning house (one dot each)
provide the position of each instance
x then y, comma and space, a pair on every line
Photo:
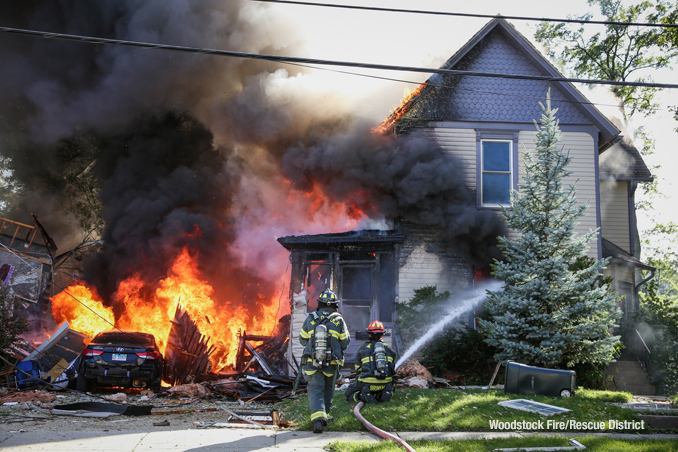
199, 163
479, 124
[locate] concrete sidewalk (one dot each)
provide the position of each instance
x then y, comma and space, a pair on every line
231, 440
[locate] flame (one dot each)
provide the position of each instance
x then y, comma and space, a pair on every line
151, 311
334, 216
141, 313
81, 308
398, 112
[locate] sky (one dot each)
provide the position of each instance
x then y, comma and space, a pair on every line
428, 41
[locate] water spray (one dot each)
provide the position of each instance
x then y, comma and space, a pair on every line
471, 299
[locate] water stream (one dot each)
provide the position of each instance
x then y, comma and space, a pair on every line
469, 299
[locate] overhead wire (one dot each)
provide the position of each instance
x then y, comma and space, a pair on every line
482, 16
321, 62
434, 85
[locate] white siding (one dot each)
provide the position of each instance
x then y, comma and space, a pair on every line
615, 213
422, 269
298, 316
461, 143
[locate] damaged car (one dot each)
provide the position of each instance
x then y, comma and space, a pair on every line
128, 359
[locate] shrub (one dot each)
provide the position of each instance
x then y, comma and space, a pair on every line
423, 310
658, 322
461, 350
457, 349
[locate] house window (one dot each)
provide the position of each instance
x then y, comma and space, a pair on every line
496, 172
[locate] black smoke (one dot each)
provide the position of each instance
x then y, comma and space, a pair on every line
179, 141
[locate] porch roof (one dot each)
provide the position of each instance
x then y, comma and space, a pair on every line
363, 236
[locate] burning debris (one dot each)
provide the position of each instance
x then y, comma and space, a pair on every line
188, 352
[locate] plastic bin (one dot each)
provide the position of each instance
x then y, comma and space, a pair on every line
524, 379
32, 368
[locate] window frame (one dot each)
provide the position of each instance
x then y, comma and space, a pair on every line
493, 136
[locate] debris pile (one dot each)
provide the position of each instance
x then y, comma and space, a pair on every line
257, 387
188, 351
412, 374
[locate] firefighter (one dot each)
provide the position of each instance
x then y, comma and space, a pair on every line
375, 368
324, 336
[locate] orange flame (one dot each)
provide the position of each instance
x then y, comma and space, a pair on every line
397, 113
80, 306
152, 311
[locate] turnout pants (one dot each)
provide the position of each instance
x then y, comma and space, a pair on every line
369, 392
320, 389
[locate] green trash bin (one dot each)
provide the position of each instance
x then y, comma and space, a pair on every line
524, 379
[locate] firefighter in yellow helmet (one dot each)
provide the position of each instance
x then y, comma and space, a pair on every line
375, 368
324, 336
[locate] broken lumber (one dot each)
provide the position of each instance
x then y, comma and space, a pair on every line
188, 351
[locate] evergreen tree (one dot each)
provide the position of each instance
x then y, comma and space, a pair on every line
552, 310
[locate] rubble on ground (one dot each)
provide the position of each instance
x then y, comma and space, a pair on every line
412, 374
28, 396
42, 411
188, 390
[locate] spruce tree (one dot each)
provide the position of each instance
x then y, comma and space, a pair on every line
552, 311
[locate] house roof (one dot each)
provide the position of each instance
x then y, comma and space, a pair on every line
622, 161
362, 236
618, 254
499, 48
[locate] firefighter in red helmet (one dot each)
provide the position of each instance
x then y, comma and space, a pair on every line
375, 368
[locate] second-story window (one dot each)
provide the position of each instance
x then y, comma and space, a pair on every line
496, 177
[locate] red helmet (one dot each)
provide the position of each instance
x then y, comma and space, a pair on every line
376, 327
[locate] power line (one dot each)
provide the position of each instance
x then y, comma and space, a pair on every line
297, 60
434, 85
485, 16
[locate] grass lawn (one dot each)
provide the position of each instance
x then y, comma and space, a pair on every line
452, 410
593, 444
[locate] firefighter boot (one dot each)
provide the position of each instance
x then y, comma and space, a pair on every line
367, 396
387, 393
318, 426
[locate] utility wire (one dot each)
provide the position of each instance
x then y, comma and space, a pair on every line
486, 16
435, 85
291, 60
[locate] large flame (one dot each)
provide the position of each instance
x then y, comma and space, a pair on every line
152, 311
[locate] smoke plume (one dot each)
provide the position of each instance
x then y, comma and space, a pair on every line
220, 154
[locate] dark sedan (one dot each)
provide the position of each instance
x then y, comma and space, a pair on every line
122, 358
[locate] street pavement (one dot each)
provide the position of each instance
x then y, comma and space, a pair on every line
230, 440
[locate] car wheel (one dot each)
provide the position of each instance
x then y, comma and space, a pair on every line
565, 393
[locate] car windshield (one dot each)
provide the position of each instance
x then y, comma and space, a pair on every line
128, 338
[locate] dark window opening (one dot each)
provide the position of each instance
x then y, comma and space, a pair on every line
318, 279
357, 296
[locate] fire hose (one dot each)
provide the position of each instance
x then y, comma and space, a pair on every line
379, 432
